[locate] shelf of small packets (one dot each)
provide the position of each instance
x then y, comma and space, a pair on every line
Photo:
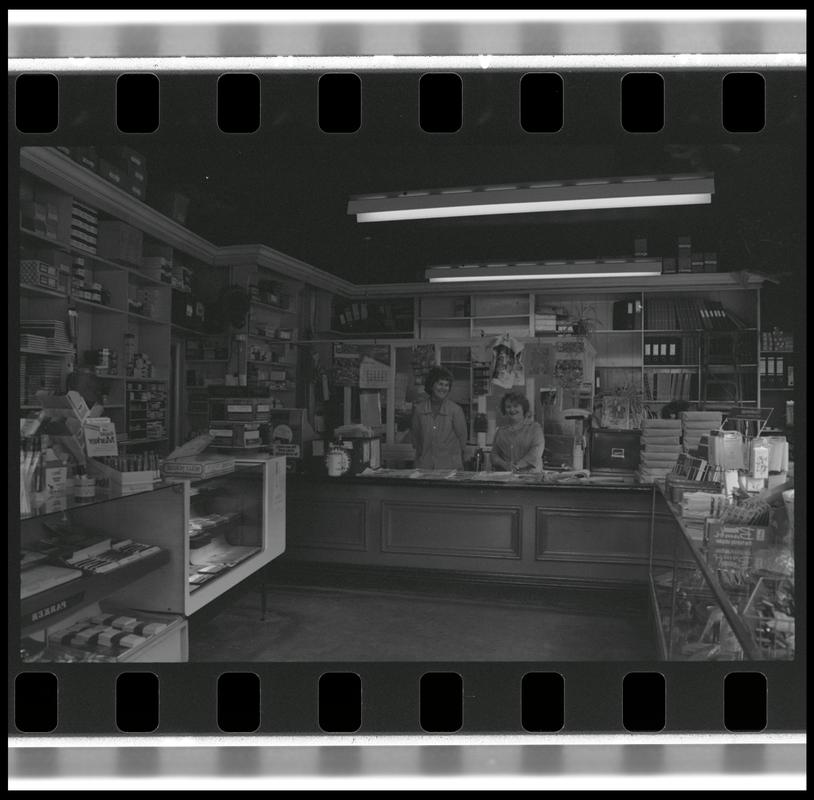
83, 594
729, 593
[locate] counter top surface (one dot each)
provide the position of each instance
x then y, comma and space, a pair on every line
458, 478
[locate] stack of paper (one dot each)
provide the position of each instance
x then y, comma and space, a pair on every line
695, 424
661, 446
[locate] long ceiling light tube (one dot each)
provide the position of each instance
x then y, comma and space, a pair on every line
636, 192
546, 270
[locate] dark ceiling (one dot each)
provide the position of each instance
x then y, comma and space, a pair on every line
287, 185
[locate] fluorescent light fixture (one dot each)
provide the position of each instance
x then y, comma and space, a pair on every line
546, 270
633, 192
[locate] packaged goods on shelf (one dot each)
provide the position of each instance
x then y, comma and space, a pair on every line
42, 577
181, 278
112, 634
84, 227
111, 172
88, 157
227, 433
242, 409
51, 331
106, 556
123, 481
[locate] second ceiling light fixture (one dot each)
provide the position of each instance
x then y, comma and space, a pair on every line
630, 192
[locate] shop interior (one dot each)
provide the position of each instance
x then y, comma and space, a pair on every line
221, 351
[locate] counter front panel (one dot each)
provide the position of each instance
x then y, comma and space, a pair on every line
582, 533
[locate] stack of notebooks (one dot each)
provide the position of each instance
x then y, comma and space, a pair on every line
661, 446
695, 424
696, 507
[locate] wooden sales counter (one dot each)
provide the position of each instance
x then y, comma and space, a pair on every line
522, 530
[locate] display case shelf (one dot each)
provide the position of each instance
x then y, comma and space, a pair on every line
90, 588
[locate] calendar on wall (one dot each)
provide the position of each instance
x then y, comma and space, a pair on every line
373, 374
366, 366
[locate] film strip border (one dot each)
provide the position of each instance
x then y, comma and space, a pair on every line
406, 699
103, 34
649, 102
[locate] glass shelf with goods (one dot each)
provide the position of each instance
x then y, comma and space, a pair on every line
71, 612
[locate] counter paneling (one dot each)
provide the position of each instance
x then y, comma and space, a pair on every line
546, 534
333, 524
434, 529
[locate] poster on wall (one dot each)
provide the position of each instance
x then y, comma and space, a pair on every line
422, 358
507, 362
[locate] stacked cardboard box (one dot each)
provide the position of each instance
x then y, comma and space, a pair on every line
695, 424
661, 446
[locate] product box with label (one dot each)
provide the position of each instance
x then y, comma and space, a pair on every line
111, 172
123, 483
731, 546
198, 466
86, 156
227, 433
247, 409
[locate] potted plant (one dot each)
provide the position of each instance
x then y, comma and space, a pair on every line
583, 320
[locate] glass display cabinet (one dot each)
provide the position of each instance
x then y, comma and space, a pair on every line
117, 578
716, 602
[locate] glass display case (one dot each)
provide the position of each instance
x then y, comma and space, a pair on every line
117, 578
235, 524
724, 596
84, 572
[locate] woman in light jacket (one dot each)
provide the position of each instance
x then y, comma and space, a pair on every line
438, 425
518, 445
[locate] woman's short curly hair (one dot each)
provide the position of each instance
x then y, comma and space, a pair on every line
516, 399
437, 374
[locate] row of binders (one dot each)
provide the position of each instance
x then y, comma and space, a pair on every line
664, 350
678, 384
690, 314
776, 372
